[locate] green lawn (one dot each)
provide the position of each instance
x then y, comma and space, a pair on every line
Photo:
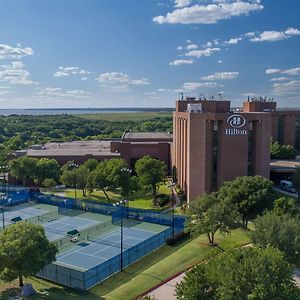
145, 273
138, 200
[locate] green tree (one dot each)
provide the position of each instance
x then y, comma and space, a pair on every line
81, 178
151, 173
98, 179
49, 183
209, 214
244, 274
46, 168
278, 231
296, 181
282, 151
196, 285
288, 206
113, 169
68, 177
24, 250
251, 196
91, 164
23, 168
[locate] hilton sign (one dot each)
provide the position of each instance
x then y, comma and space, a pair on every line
236, 122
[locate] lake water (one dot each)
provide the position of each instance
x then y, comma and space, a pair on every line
76, 111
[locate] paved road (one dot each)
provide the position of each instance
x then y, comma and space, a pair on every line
277, 189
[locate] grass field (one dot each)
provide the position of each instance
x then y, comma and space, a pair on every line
138, 200
130, 116
144, 274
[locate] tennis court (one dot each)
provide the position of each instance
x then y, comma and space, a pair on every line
58, 228
25, 212
93, 251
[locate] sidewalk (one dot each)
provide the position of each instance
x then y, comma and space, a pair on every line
167, 290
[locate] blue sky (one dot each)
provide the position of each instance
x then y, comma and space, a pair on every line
143, 53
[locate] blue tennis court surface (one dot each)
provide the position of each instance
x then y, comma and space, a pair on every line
24, 212
58, 228
90, 253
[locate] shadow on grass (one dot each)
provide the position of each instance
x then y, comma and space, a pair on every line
121, 278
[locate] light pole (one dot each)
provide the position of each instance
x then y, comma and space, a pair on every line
122, 204
3, 197
74, 166
171, 186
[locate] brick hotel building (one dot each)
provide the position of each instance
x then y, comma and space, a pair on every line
213, 144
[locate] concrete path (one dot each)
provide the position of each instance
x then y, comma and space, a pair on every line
167, 290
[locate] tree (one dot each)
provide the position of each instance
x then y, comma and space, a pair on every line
49, 183
91, 164
113, 168
98, 179
151, 173
286, 206
81, 178
296, 181
46, 168
68, 177
251, 195
209, 214
282, 151
23, 168
24, 250
278, 231
195, 285
244, 273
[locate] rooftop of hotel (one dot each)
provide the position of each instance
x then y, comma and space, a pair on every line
147, 135
74, 148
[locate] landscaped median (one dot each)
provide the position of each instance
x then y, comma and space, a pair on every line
146, 273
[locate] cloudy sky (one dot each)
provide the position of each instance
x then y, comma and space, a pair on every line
143, 53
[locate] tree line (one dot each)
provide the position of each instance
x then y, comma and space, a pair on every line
20, 132
107, 175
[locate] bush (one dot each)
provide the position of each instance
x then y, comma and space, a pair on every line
177, 238
282, 151
49, 183
162, 200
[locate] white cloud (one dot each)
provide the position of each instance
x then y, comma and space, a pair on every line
287, 88
272, 36
207, 45
292, 72
67, 71
208, 14
220, 61
164, 90
204, 52
15, 73
179, 48
273, 71
6, 92
221, 76
59, 92
9, 52
250, 34
179, 62
119, 81
182, 3
275, 79
191, 86
269, 36
191, 47
233, 41
292, 31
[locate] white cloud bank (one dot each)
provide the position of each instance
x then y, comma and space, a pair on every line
208, 14
221, 76
67, 71
272, 35
9, 52
179, 62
